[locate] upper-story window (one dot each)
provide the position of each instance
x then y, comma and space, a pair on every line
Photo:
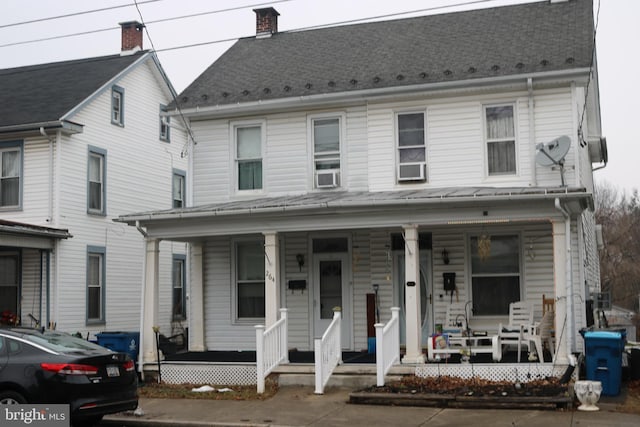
165, 130
179, 188
326, 152
248, 157
412, 155
10, 175
117, 105
96, 194
500, 138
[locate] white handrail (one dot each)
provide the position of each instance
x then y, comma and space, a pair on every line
328, 352
387, 345
271, 348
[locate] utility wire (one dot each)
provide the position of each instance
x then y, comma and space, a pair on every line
86, 12
183, 152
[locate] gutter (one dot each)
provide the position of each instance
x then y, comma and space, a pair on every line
64, 125
532, 133
51, 140
569, 282
372, 94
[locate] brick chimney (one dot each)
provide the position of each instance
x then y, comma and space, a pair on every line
131, 36
266, 21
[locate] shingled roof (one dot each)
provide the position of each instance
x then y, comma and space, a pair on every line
46, 92
501, 41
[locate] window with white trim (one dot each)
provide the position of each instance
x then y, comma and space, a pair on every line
412, 155
96, 178
165, 130
326, 152
248, 157
249, 269
9, 282
179, 188
96, 271
117, 105
179, 310
500, 140
10, 175
495, 273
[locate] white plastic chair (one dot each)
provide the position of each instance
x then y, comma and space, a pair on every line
520, 329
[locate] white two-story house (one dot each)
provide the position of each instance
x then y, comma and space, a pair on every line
82, 142
403, 157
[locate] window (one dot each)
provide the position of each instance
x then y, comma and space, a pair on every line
164, 125
248, 140
95, 284
501, 143
117, 105
326, 152
179, 309
11, 175
96, 195
9, 277
411, 147
250, 279
179, 187
495, 273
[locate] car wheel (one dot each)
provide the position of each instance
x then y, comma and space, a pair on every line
11, 398
86, 421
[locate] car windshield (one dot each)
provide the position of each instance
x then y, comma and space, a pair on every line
63, 343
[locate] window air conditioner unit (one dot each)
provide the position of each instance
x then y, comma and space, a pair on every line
412, 171
327, 179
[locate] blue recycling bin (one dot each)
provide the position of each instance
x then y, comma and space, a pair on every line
124, 342
603, 355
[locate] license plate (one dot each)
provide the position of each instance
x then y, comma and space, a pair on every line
113, 371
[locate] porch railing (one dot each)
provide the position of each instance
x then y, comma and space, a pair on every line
328, 352
271, 348
387, 345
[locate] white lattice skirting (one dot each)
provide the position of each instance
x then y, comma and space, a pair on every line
208, 373
492, 371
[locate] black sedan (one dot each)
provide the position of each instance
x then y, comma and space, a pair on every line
50, 367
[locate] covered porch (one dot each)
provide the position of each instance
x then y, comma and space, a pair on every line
418, 250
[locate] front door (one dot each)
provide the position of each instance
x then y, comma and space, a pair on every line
331, 290
426, 300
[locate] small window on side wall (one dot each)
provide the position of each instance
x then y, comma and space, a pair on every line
179, 188
96, 178
117, 105
500, 140
165, 130
179, 309
96, 271
10, 175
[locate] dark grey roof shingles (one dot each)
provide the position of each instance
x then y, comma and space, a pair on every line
45, 92
518, 39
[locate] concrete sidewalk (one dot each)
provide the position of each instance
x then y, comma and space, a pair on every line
298, 406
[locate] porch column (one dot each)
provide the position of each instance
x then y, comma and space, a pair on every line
412, 296
559, 279
196, 300
271, 278
150, 300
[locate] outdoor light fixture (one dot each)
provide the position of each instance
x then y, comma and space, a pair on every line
300, 259
445, 256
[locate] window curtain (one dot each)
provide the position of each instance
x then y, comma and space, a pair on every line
501, 151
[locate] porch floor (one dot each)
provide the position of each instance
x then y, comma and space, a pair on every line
348, 357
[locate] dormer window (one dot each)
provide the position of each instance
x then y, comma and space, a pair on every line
117, 105
500, 140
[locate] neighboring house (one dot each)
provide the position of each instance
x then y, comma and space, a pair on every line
82, 142
393, 153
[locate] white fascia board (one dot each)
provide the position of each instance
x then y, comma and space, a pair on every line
381, 94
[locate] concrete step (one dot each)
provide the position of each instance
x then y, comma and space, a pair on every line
352, 376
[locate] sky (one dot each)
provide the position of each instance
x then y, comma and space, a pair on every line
218, 23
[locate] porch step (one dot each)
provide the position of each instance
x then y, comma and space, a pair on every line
353, 376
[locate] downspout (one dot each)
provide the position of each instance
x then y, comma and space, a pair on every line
532, 133
569, 282
50, 198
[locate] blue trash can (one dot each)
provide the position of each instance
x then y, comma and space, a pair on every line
603, 355
124, 342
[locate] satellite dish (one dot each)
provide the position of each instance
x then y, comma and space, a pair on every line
553, 153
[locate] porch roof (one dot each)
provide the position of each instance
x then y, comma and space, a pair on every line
18, 234
576, 200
